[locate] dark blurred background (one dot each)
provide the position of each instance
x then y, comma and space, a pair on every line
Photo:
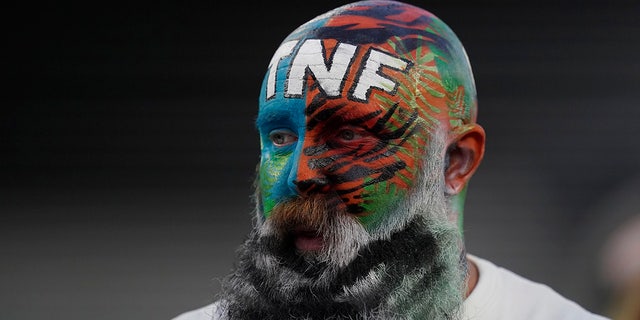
128, 146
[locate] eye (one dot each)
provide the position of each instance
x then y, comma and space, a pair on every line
281, 137
347, 134
350, 135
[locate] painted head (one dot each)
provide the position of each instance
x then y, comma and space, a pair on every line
355, 100
367, 123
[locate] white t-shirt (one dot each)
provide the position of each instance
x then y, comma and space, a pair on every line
503, 295
208, 312
499, 295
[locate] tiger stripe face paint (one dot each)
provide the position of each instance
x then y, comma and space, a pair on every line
350, 102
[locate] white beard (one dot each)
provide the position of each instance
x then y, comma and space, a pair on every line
411, 266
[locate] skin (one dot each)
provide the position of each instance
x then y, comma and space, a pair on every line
366, 115
472, 278
365, 148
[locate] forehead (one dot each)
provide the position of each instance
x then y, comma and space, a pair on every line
375, 56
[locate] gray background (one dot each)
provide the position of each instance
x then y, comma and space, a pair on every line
128, 146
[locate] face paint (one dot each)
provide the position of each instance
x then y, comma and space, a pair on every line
350, 102
356, 112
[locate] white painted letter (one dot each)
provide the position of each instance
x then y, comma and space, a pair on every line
371, 76
283, 51
330, 74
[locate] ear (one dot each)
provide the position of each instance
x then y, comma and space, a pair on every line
464, 156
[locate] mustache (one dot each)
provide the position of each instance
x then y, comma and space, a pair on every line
289, 288
309, 213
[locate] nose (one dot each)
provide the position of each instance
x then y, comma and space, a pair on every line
308, 177
313, 185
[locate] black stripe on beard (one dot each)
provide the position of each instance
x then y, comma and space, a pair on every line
406, 251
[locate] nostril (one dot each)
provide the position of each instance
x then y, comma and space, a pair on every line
312, 185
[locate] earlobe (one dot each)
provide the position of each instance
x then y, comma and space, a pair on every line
464, 156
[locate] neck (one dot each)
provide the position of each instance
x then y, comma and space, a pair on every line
472, 277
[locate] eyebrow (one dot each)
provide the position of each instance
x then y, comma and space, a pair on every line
279, 115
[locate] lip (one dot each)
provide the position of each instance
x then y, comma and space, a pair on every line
307, 240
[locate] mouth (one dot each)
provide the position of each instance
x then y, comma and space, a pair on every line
307, 240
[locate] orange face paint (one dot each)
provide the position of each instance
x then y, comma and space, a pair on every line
358, 95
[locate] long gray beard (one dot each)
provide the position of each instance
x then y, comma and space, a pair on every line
412, 267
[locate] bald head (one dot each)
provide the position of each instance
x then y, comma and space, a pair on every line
368, 138
351, 103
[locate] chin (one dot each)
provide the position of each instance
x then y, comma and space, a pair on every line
341, 271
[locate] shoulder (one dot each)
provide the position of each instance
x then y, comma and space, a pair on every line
209, 312
502, 294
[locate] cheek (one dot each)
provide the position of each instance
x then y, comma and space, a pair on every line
382, 196
370, 184
391, 180
271, 170
273, 179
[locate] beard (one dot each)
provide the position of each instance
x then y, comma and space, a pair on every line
410, 267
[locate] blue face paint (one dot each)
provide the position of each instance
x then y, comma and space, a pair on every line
278, 165
375, 97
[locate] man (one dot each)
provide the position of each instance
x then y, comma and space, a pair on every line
367, 123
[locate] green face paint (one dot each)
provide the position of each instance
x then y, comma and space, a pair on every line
348, 108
